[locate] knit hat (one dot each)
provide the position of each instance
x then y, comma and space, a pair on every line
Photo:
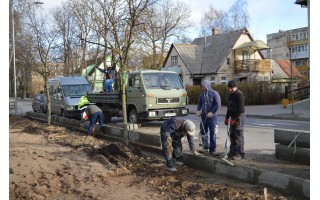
232, 84
190, 127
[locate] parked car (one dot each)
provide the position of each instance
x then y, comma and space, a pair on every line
39, 104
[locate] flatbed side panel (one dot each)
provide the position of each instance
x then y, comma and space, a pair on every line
103, 98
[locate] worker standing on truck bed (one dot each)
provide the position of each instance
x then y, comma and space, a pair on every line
109, 72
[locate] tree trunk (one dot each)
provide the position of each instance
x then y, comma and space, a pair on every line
48, 100
124, 106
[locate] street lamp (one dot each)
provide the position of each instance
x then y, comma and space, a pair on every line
14, 64
14, 57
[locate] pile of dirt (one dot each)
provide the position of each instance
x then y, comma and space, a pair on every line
66, 166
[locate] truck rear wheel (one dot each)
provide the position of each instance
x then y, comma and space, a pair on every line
106, 117
133, 116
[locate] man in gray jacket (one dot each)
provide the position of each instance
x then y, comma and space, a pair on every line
94, 114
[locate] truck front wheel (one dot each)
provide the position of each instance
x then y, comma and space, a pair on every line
133, 116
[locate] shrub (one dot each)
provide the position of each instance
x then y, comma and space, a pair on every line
256, 93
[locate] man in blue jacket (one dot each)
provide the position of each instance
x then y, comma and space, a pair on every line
208, 106
109, 72
171, 132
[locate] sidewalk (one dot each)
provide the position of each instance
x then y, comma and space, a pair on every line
301, 111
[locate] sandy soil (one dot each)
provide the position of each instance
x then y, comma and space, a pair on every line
52, 162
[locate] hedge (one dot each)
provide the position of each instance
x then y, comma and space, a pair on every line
256, 93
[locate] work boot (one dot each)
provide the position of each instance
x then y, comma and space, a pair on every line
230, 156
242, 155
178, 163
214, 153
172, 169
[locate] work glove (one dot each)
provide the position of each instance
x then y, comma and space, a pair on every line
210, 114
196, 153
226, 121
232, 122
198, 113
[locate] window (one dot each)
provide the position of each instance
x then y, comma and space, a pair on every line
223, 80
213, 80
174, 60
299, 49
244, 55
228, 61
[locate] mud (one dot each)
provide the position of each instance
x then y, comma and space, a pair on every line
53, 162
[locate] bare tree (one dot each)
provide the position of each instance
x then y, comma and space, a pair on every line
44, 51
125, 17
21, 10
239, 16
164, 21
235, 18
65, 25
80, 11
214, 18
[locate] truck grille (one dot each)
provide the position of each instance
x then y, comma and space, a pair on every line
168, 100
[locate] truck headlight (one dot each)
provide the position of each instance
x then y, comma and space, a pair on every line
70, 108
184, 112
152, 114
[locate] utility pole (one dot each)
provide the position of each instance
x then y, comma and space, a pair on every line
14, 62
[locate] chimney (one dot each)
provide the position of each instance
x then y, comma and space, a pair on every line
216, 31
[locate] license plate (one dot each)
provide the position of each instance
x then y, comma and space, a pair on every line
170, 114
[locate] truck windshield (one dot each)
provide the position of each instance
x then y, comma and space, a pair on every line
76, 90
164, 81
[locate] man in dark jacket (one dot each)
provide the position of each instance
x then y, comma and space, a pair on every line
236, 113
94, 114
110, 77
171, 132
208, 105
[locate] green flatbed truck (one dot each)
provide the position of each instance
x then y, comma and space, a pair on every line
150, 94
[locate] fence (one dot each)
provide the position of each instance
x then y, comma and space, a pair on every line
298, 93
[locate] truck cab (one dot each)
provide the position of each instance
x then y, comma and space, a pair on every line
155, 95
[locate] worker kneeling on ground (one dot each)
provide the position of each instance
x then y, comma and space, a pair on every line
171, 132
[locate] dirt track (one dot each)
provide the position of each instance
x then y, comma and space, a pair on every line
52, 162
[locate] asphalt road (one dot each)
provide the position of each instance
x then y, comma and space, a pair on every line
250, 123
25, 106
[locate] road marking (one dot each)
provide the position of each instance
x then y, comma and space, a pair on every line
277, 123
261, 124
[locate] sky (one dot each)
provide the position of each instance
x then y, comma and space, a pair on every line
266, 17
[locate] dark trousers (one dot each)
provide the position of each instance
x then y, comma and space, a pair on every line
209, 126
236, 141
171, 148
93, 120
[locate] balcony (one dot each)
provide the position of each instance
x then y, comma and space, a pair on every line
245, 66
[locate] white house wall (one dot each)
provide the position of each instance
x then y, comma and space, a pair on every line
185, 74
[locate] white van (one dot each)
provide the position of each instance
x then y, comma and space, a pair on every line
65, 93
